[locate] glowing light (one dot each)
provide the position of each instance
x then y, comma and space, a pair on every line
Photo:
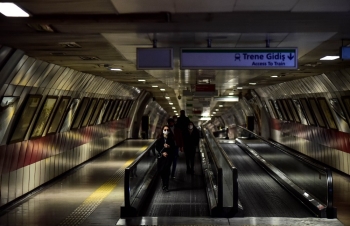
12, 10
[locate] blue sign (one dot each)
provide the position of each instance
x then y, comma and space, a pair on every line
262, 58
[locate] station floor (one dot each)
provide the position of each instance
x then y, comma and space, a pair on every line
93, 193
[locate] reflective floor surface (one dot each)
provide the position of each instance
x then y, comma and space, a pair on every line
91, 195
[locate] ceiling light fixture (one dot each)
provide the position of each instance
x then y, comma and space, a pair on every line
274, 76
173, 107
204, 118
154, 86
167, 98
220, 106
115, 69
227, 98
230, 94
10, 9
329, 58
162, 89
141, 80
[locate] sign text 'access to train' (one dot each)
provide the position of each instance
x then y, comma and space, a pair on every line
262, 58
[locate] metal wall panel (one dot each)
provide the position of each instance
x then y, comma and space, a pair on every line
19, 182
26, 178
62, 77
39, 73
12, 185
31, 176
79, 78
67, 79
26, 71
5, 52
42, 171
12, 66
4, 188
28, 164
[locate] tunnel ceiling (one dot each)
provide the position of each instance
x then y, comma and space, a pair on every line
107, 34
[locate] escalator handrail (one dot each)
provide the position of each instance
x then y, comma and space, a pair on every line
233, 168
129, 169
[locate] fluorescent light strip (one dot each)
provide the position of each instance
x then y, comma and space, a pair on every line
162, 89
329, 58
115, 69
141, 80
12, 10
227, 98
154, 86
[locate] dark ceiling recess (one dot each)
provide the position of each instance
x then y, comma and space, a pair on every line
89, 57
69, 45
58, 54
41, 27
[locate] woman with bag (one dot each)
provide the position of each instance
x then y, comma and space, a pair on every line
165, 147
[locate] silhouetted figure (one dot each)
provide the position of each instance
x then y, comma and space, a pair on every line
144, 126
165, 147
178, 144
191, 140
182, 121
175, 119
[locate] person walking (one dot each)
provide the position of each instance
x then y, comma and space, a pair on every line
165, 146
191, 140
178, 144
182, 121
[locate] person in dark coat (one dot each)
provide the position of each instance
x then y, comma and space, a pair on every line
165, 146
191, 140
178, 144
182, 121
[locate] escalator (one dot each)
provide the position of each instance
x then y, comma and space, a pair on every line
259, 194
186, 197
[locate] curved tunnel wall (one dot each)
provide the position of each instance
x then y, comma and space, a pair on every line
30, 161
157, 118
327, 142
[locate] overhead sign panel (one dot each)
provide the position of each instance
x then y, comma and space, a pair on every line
238, 58
345, 53
154, 58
